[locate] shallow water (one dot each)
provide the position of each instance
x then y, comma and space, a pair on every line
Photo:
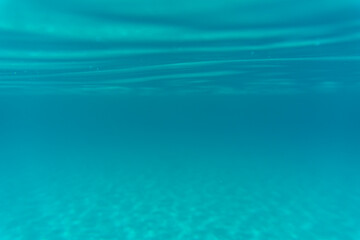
220, 120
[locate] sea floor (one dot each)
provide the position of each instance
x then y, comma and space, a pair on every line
214, 200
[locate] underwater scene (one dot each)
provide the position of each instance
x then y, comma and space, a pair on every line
179, 120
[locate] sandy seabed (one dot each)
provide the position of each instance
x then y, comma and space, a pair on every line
183, 203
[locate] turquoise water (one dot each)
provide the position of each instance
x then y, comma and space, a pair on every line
208, 120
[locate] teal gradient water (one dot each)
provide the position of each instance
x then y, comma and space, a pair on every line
208, 120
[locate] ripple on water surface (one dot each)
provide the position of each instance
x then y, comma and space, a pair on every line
162, 47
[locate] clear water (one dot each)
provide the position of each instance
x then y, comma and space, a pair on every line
209, 120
